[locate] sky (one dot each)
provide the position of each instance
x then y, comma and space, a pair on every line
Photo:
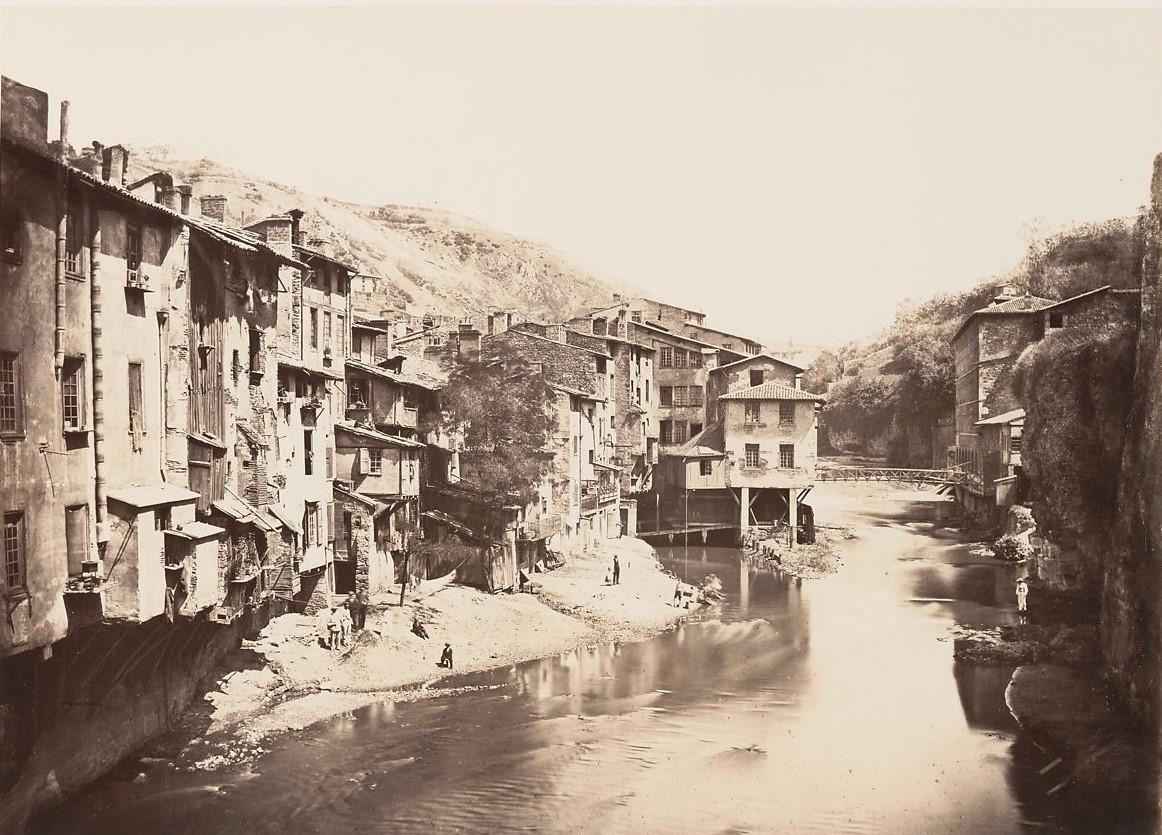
794, 174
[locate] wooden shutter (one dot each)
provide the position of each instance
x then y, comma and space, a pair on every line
364, 461
330, 462
331, 524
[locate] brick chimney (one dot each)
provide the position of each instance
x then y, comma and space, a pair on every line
184, 194
115, 164
1006, 293
214, 207
296, 216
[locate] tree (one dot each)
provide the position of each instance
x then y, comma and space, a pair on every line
503, 412
824, 370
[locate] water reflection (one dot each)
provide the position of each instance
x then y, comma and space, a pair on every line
827, 706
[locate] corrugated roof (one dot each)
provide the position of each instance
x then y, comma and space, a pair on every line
709, 443
376, 435
772, 391
151, 495
1007, 417
760, 356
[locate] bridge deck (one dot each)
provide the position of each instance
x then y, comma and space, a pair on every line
904, 474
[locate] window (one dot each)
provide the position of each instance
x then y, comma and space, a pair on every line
787, 456
591, 456
667, 395
679, 395
680, 432
600, 326
327, 329
340, 335
375, 461
14, 577
647, 391
314, 327
11, 231
132, 250
161, 519
339, 283
786, 413
136, 399
73, 248
409, 400
666, 431
77, 537
756, 377
326, 282
1057, 320
311, 524
11, 396
576, 445
308, 451
257, 358
729, 346
751, 455
705, 467
635, 316
73, 393
695, 429
752, 413
357, 393
1015, 445
695, 395
679, 358
666, 358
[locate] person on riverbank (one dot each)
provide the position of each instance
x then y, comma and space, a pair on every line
418, 628
345, 625
1022, 597
334, 628
446, 657
616, 570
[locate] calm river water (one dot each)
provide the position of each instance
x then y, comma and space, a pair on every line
818, 706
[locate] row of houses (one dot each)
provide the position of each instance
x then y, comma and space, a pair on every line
197, 420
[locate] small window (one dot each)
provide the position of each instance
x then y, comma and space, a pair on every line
12, 396
680, 432
133, 250
327, 329
314, 327
666, 358
136, 399
751, 455
679, 395
375, 461
308, 451
635, 316
257, 355
667, 393
1057, 320
1015, 444
14, 567
73, 393
729, 346
696, 395
162, 519
756, 377
786, 413
340, 335
357, 393
339, 283
705, 467
311, 524
695, 429
679, 358
787, 456
77, 537
752, 412
666, 432
409, 400
11, 231
74, 265
591, 456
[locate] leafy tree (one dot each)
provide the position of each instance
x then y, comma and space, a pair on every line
861, 405
825, 370
504, 414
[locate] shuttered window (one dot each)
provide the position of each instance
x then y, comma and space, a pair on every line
136, 399
330, 462
332, 525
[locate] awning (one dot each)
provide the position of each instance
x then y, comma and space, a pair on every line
602, 466
153, 495
1008, 417
243, 512
207, 439
195, 531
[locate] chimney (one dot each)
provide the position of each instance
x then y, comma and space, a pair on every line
1156, 184
184, 193
555, 332
617, 298
1006, 293
469, 341
799, 381
214, 207
115, 165
63, 150
296, 216
318, 243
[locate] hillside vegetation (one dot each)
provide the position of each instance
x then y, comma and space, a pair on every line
886, 396
426, 260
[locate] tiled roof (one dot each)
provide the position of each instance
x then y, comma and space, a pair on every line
1021, 304
761, 356
413, 374
772, 391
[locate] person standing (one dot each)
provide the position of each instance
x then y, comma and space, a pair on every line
446, 656
616, 570
344, 625
364, 605
1022, 596
352, 606
334, 628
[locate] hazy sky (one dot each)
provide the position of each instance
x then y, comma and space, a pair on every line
792, 173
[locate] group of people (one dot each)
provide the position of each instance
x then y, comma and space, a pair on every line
345, 619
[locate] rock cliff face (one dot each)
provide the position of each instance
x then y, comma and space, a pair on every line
427, 261
1131, 618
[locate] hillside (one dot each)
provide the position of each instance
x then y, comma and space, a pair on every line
887, 396
426, 261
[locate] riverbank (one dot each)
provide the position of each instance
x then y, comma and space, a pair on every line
287, 679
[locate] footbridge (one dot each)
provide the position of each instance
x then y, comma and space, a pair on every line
939, 478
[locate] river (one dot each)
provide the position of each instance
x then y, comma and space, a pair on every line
827, 705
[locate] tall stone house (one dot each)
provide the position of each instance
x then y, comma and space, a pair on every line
989, 418
678, 320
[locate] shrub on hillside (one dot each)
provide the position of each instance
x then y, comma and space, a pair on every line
1012, 548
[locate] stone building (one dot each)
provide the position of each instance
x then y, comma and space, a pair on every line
678, 320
